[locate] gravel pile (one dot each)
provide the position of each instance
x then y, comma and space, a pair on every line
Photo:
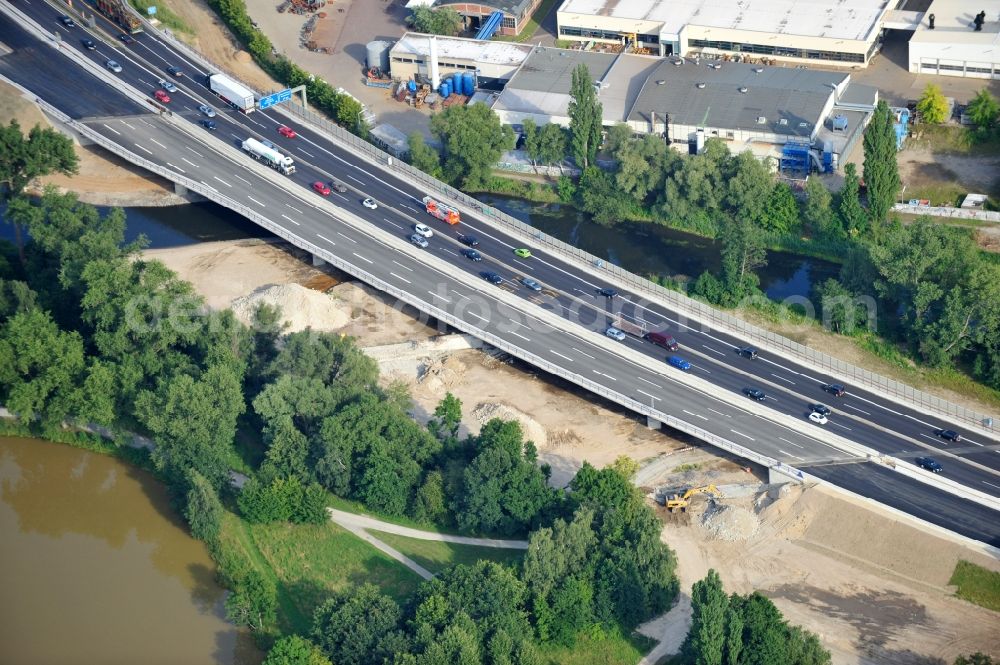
533, 431
731, 523
300, 307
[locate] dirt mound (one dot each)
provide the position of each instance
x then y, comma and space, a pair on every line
301, 308
439, 376
730, 523
242, 56
533, 431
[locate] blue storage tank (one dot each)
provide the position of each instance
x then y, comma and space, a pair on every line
456, 83
468, 84
412, 85
446, 90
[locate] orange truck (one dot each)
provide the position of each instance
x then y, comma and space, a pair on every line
441, 211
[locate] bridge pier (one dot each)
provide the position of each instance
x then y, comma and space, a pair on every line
652, 423
180, 190
316, 261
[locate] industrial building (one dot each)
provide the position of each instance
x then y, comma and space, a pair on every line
489, 17
493, 63
806, 31
950, 45
749, 106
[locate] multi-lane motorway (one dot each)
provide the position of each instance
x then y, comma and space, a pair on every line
448, 280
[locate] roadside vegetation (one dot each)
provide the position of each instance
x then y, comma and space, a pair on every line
977, 585
164, 15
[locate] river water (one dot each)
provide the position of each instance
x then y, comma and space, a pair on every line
96, 567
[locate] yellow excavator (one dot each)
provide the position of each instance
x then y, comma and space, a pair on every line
682, 500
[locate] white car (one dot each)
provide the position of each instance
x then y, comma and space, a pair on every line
207, 110
614, 333
817, 418
167, 85
369, 203
424, 230
419, 241
113, 66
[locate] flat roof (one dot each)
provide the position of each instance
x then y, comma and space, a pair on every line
551, 69
475, 50
953, 25
835, 19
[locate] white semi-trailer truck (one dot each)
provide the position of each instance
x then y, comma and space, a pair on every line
235, 94
269, 156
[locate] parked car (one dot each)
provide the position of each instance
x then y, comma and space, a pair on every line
113, 66
472, 255
67, 21
175, 72
820, 408
817, 418
835, 389
424, 230
207, 110
523, 253
614, 333
208, 124
338, 186
755, 393
287, 132
749, 352
662, 339
607, 292
531, 284
167, 85
89, 45
370, 204
948, 435
679, 363
929, 463
419, 241
162, 96
491, 277
321, 188
471, 241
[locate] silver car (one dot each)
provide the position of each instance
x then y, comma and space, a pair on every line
207, 110
615, 334
531, 284
419, 241
113, 66
167, 85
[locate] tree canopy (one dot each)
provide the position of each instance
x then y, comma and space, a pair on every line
585, 117
473, 140
932, 106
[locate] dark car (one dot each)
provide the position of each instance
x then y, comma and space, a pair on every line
67, 21
471, 241
948, 435
472, 255
126, 39
755, 393
929, 463
208, 124
89, 45
749, 352
175, 71
491, 277
821, 409
338, 186
835, 389
607, 292
662, 339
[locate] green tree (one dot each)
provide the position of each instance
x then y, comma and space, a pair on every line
473, 140
585, 117
295, 650
357, 626
203, 510
447, 419
430, 504
552, 144
734, 631
743, 253
748, 188
287, 450
983, 110
252, 601
932, 106
781, 215
817, 212
423, 157
444, 21
24, 158
532, 140
881, 170
842, 312
707, 638
977, 658
852, 215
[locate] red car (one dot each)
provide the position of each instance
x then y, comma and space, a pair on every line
287, 132
321, 188
162, 96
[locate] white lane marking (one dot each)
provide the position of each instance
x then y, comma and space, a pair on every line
720, 413
256, 201
603, 374
854, 408
646, 380
143, 149
340, 195
583, 353
696, 415
975, 443
653, 397
235, 136
528, 340
291, 220
481, 318
523, 264
398, 226
348, 237
841, 426
222, 181
700, 369
439, 297
243, 179
445, 249
360, 182
561, 355
991, 485
400, 278
745, 436
326, 239
185, 159
781, 378
254, 122
363, 258
194, 151
789, 442
790, 455
154, 141
881, 406
176, 167
811, 378
402, 266
403, 205
306, 153
706, 346
112, 128
294, 208
133, 127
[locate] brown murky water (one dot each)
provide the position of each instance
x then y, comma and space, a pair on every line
96, 567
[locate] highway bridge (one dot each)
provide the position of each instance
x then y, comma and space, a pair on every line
558, 329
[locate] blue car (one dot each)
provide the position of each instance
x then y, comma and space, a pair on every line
678, 362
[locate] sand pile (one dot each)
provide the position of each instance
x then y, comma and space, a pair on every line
301, 308
731, 523
533, 431
441, 375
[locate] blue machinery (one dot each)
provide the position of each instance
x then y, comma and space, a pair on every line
490, 26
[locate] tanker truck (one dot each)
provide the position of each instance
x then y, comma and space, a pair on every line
269, 156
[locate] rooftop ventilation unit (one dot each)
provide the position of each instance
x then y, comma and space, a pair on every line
716, 65
744, 89
700, 85
758, 70
677, 63
761, 120
803, 124
783, 121
660, 82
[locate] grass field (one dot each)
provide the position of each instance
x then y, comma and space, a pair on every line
977, 585
532, 25
612, 650
436, 556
